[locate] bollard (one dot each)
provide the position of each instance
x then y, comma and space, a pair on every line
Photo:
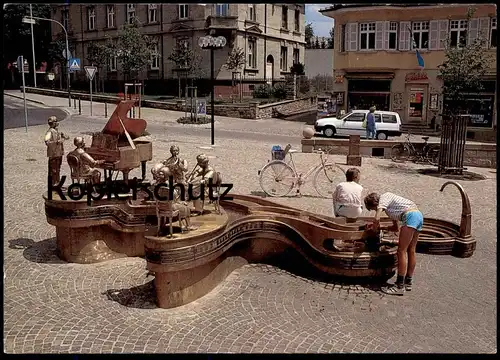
74, 103
106, 109
80, 106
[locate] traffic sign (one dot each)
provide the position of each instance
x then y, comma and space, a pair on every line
90, 71
74, 64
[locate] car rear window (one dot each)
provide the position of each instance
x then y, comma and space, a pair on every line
391, 119
377, 118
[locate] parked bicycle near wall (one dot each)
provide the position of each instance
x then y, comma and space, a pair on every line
407, 151
278, 177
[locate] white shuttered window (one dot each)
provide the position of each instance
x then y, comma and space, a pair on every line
404, 35
367, 36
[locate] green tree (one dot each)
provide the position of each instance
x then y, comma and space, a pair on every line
309, 34
464, 69
462, 73
186, 63
134, 50
17, 35
316, 44
331, 39
98, 55
235, 61
323, 44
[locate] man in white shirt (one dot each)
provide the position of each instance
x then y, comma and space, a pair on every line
347, 196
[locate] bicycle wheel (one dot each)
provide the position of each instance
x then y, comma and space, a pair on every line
432, 155
327, 178
277, 179
399, 153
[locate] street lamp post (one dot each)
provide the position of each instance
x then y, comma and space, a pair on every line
212, 43
31, 20
33, 47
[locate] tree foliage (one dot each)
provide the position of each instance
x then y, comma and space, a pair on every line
464, 68
187, 61
235, 60
309, 34
297, 69
134, 49
17, 35
331, 39
57, 47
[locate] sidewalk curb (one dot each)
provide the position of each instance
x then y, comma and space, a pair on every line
22, 98
68, 113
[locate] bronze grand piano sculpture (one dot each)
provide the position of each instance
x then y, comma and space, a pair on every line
116, 143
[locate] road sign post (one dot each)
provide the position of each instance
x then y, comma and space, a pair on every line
21, 64
90, 71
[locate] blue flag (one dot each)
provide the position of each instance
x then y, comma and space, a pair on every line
420, 60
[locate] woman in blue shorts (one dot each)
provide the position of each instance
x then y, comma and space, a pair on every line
398, 209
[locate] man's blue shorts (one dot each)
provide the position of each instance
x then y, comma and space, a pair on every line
413, 219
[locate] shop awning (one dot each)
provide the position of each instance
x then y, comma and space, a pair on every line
379, 75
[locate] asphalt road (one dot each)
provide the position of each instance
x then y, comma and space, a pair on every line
13, 113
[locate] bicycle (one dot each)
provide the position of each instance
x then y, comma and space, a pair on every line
284, 177
407, 151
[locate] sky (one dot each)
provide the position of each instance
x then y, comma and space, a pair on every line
321, 24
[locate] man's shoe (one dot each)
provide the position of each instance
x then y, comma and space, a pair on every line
393, 290
408, 287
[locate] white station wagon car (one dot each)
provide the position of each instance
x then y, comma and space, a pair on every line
387, 123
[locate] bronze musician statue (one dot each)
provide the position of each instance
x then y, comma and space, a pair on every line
55, 149
200, 175
86, 163
176, 165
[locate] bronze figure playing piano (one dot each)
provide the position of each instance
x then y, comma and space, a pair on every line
118, 146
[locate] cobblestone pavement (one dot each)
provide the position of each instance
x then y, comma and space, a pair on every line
51, 306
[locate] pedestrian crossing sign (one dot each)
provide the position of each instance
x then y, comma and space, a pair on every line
74, 64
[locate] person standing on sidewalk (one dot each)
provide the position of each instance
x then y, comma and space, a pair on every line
370, 124
55, 149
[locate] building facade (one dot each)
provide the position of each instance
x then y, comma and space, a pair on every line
272, 36
375, 61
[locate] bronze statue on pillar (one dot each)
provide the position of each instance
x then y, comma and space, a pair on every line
55, 149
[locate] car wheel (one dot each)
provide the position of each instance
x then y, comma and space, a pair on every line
382, 136
329, 131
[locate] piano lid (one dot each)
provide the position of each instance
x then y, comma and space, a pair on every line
135, 127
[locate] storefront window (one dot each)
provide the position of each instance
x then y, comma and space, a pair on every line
480, 109
416, 107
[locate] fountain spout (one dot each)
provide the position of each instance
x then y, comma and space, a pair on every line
466, 219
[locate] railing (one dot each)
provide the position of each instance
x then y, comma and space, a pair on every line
452, 147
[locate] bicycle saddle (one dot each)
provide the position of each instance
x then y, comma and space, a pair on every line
291, 151
425, 138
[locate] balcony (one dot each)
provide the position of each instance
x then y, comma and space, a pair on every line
222, 22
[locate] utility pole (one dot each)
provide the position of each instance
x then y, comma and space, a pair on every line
33, 46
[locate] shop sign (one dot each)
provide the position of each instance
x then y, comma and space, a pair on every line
339, 79
339, 97
416, 76
434, 102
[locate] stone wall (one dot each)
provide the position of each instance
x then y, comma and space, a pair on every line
287, 107
250, 110
480, 155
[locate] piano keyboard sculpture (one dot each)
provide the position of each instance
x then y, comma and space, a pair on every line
116, 143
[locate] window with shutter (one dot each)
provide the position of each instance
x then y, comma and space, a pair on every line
493, 34
443, 34
385, 43
484, 28
379, 35
404, 35
473, 30
353, 40
433, 34
343, 37
346, 28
